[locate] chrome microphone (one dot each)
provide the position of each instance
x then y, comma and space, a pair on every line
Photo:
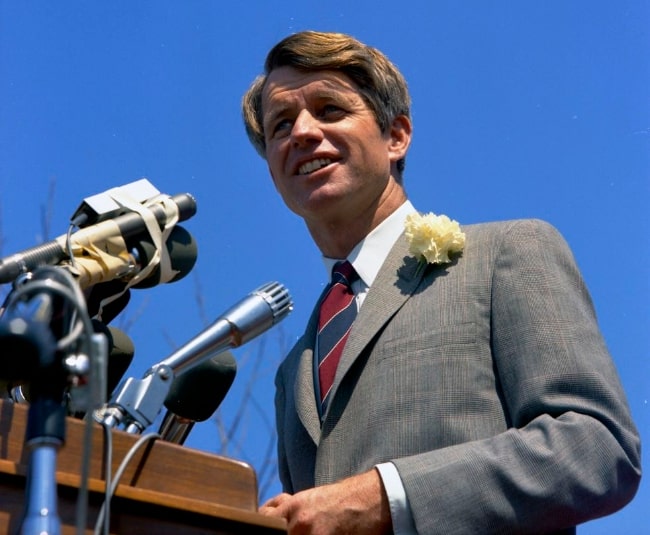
249, 318
138, 403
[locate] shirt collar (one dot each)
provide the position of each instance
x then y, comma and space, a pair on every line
369, 254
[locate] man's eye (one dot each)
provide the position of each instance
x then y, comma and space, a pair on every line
331, 111
281, 126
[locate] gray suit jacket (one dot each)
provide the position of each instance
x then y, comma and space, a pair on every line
485, 381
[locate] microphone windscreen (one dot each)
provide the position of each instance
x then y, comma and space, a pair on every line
182, 250
198, 391
120, 356
104, 290
28, 345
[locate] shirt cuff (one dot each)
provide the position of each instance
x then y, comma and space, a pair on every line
400, 510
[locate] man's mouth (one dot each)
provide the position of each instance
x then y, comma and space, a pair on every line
313, 165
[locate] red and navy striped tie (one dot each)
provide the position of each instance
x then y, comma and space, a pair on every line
337, 312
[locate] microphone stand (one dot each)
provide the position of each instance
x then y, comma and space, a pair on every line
32, 328
44, 437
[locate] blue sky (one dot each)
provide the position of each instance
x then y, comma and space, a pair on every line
526, 109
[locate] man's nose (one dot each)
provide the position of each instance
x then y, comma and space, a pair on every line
306, 128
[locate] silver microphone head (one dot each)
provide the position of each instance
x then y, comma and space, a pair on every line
278, 298
257, 312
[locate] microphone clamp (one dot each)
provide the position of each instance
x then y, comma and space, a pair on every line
138, 401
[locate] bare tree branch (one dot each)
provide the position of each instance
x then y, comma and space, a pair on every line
126, 321
47, 210
200, 301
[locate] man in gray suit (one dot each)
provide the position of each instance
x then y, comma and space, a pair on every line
474, 393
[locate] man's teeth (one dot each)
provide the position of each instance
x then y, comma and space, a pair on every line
313, 165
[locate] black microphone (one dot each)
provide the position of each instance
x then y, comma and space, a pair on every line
182, 250
131, 227
195, 395
96, 300
120, 355
31, 324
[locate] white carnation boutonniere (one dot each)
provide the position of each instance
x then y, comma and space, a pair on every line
432, 238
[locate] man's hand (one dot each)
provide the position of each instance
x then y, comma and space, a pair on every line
357, 505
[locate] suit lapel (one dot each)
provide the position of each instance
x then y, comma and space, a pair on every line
395, 283
305, 395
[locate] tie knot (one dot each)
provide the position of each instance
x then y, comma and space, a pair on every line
344, 273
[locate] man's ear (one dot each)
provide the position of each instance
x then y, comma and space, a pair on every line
400, 137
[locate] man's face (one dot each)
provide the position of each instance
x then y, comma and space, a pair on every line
324, 149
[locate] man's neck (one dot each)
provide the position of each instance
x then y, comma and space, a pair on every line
336, 239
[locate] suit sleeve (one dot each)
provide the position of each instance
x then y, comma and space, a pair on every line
571, 451
280, 401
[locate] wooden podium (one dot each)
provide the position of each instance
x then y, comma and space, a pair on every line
167, 488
